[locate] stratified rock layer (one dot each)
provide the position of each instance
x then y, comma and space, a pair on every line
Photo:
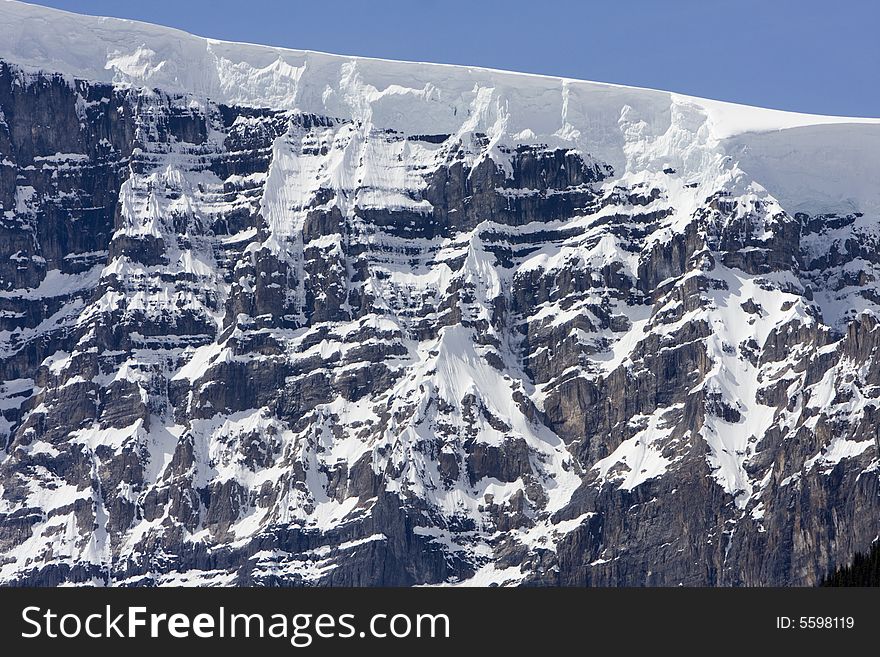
245, 344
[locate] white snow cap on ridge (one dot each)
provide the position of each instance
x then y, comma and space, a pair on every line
808, 162
142, 54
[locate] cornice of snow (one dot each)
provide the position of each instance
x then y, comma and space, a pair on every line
142, 54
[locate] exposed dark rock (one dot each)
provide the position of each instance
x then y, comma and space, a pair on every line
240, 345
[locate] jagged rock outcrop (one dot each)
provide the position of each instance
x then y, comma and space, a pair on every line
289, 319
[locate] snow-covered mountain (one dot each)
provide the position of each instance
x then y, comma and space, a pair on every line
271, 316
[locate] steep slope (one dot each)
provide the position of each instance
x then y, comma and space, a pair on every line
278, 317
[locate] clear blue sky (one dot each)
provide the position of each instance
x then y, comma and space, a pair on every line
803, 55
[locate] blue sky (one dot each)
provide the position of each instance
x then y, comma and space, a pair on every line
802, 55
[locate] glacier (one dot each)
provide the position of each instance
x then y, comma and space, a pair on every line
280, 317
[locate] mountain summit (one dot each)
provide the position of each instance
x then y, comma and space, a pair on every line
276, 317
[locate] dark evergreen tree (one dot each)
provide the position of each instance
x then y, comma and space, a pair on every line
863, 571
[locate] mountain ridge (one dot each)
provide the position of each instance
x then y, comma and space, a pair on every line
578, 336
15, 14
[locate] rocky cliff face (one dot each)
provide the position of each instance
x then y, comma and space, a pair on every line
276, 340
